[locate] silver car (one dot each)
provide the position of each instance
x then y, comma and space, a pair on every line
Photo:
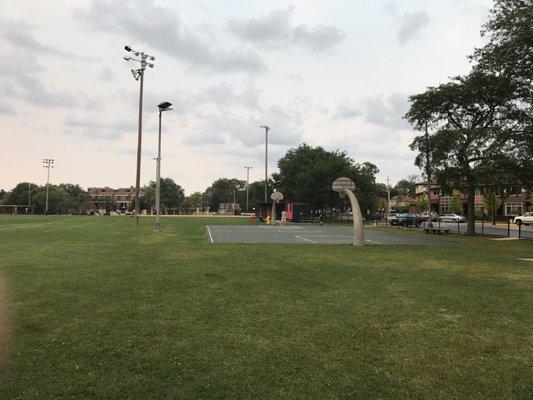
452, 218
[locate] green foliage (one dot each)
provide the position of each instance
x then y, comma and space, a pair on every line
171, 195
423, 202
306, 174
455, 205
224, 190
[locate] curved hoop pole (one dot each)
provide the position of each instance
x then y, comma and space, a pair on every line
358, 232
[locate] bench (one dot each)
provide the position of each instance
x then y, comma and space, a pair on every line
437, 231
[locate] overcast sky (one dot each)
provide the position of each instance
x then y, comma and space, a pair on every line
330, 73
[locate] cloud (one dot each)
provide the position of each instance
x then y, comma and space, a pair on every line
160, 28
106, 75
19, 34
274, 30
270, 30
225, 96
6, 108
244, 131
411, 25
346, 110
378, 110
21, 70
97, 129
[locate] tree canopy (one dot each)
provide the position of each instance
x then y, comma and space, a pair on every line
306, 174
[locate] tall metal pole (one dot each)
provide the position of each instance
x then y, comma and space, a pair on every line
428, 173
266, 160
388, 198
139, 144
139, 75
247, 187
47, 164
158, 176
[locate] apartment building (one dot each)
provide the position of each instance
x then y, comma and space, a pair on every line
513, 200
120, 198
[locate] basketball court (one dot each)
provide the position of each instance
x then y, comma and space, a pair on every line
311, 234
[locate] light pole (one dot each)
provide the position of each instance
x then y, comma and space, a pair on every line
266, 160
138, 75
164, 106
47, 163
247, 186
388, 198
428, 173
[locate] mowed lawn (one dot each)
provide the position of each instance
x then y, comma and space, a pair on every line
102, 310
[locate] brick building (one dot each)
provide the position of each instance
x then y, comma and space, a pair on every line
513, 200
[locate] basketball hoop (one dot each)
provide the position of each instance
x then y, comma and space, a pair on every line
341, 184
276, 196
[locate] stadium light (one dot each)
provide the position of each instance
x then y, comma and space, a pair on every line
47, 163
138, 75
164, 106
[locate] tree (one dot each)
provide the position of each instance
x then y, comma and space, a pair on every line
509, 50
147, 200
78, 198
224, 190
306, 174
423, 202
492, 202
21, 194
455, 205
57, 199
475, 135
171, 194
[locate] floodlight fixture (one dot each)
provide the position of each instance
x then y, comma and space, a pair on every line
127, 48
164, 106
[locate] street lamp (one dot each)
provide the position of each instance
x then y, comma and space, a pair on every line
47, 163
164, 106
138, 75
266, 160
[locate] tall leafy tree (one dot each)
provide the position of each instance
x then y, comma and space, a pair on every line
474, 136
224, 190
306, 174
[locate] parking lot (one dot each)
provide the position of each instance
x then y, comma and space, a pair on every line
312, 234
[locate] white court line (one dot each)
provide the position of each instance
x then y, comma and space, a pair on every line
209, 231
307, 240
372, 241
31, 225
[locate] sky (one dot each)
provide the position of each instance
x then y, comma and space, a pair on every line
335, 74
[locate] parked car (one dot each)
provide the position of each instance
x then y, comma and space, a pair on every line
434, 216
393, 219
452, 218
526, 219
413, 220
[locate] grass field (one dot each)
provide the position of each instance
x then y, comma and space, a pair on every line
101, 310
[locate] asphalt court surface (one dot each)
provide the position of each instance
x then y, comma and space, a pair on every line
311, 235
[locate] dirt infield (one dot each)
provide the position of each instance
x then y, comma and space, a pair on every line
4, 323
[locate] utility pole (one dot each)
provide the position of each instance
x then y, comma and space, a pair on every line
266, 160
165, 106
388, 198
247, 187
428, 174
47, 163
138, 75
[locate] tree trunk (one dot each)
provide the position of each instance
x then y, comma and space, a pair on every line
471, 209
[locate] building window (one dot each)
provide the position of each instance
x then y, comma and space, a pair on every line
513, 209
478, 192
